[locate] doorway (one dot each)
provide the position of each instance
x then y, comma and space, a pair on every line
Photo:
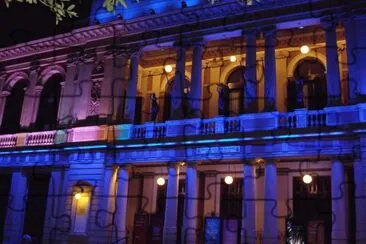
312, 210
5, 182
36, 206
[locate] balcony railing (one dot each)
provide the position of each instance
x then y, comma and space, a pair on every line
328, 117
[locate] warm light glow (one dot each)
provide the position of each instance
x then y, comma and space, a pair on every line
307, 179
233, 59
304, 49
78, 196
229, 179
168, 68
160, 181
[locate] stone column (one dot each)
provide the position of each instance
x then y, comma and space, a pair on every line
113, 86
171, 206
360, 201
177, 92
270, 229
250, 75
106, 204
352, 61
132, 88
82, 87
30, 102
196, 83
121, 204
54, 200
248, 234
333, 76
190, 205
2, 96
339, 219
270, 70
13, 228
66, 108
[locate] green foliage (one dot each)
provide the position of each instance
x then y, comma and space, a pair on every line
66, 8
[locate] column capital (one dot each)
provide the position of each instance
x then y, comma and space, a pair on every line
269, 31
329, 23
197, 42
116, 51
175, 165
182, 43
250, 32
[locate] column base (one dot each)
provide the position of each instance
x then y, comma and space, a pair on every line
339, 237
360, 237
189, 236
170, 235
122, 237
334, 101
248, 238
270, 240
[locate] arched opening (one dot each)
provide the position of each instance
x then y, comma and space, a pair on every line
308, 87
235, 83
49, 103
13, 108
168, 99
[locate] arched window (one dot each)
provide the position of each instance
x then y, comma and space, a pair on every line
13, 108
235, 83
308, 88
49, 103
168, 99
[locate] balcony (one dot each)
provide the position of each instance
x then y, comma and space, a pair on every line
246, 123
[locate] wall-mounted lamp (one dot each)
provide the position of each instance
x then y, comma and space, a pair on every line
229, 179
160, 181
168, 68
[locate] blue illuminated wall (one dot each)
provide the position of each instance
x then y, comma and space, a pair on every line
134, 10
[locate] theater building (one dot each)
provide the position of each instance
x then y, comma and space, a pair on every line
189, 122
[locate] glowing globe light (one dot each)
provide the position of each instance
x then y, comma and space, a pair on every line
305, 49
233, 59
168, 68
229, 179
307, 179
78, 196
160, 181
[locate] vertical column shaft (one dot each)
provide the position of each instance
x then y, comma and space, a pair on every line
132, 89
15, 213
248, 221
196, 83
360, 201
270, 70
177, 92
2, 96
352, 63
190, 205
270, 229
339, 210
171, 206
121, 206
106, 203
333, 76
31, 100
250, 86
66, 111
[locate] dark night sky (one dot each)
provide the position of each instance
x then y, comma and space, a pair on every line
24, 22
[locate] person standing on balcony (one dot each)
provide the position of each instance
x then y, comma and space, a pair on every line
154, 107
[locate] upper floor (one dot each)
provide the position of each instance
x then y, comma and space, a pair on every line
227, 71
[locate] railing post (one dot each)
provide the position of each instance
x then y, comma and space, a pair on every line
174, 128
361, 112
220, 124
149, 129
301, 118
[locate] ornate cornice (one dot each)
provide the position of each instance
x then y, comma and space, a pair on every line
227, 11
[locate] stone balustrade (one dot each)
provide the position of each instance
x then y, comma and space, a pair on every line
302, 118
